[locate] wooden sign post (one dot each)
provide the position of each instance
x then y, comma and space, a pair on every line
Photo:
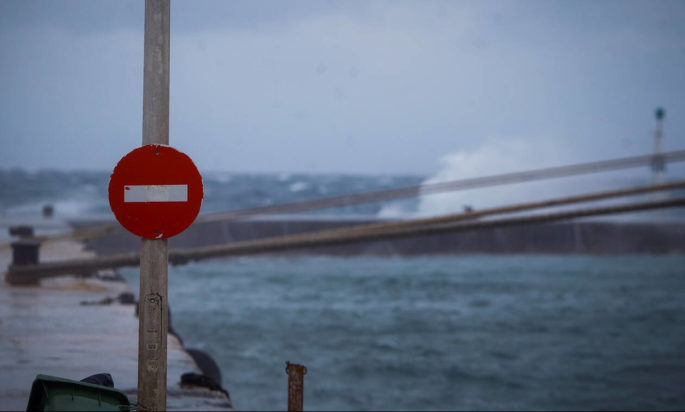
153, 313
155, 192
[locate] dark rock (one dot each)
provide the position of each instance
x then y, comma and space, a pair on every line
206, 364
127, 298
196, 379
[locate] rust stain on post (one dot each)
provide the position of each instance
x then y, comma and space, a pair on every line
295, 385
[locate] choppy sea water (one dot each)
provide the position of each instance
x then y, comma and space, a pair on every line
451, 332
83, 194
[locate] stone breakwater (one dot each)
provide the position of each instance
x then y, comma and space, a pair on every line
582, 237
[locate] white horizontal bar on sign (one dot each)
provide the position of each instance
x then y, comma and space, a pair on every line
155, 193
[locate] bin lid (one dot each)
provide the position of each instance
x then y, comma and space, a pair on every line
52, 393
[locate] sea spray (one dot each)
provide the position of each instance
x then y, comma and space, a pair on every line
508, 157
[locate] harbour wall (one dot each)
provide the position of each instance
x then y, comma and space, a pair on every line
593, 237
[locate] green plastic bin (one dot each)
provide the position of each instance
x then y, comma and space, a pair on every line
50, 393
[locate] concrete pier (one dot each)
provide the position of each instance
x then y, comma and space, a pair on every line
46, 329
593, 237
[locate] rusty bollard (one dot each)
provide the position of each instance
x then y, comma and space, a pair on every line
295, 385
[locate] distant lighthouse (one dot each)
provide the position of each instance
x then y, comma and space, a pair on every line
658, 161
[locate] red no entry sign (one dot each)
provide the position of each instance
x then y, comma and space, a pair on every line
155, 191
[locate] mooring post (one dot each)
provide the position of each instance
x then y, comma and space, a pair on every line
154, 315
24, 252
295, 386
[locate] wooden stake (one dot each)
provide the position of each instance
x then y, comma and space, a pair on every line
153, 313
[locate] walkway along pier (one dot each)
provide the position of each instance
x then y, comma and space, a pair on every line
74, 327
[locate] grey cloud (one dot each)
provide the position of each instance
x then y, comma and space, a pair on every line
354, 86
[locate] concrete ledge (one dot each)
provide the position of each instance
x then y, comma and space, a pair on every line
46, 329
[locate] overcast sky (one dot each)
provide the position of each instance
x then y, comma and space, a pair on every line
354, 86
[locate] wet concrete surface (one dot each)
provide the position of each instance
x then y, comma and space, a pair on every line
46, 330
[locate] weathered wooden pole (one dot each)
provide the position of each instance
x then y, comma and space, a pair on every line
153, 313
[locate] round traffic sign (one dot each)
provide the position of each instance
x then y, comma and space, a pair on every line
155, 191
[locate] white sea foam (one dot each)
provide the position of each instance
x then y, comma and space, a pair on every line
219, 177
395, 211
512, 156
299, 186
